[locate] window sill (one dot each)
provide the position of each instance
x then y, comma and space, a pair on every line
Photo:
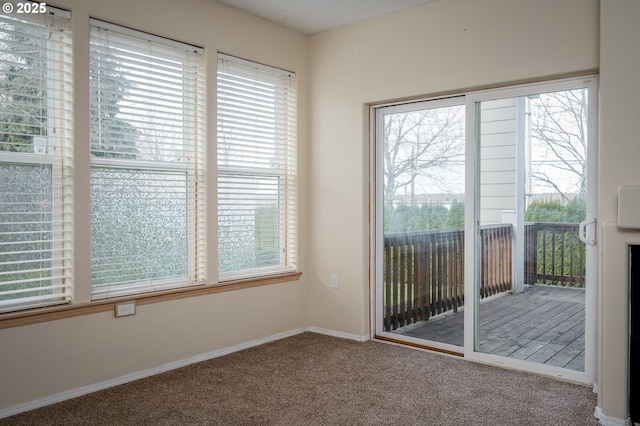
37, 315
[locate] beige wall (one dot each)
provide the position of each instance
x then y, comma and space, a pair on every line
442, 47
46, 359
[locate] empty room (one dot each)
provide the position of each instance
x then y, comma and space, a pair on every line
319, 212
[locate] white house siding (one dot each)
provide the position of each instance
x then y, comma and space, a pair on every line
497, 159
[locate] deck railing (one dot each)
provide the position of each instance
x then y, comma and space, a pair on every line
424, 270
554, 254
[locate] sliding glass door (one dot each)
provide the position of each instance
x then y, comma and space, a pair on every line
421, 221
485, 237
533, 224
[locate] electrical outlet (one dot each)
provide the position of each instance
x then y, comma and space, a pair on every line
125, 308
334, 281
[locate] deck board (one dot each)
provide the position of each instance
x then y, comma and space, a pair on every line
544, 324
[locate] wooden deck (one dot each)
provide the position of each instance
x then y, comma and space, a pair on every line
544, 324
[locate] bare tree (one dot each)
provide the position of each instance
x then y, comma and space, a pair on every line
559, 134
421, 146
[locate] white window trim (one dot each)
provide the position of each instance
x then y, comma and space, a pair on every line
194, 170
287, 200
61, 200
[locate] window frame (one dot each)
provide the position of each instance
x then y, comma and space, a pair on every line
193, 148
57, 155
471, 99
286, 152
77, 299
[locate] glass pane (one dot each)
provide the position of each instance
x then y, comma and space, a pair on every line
23, 104
248, 222
141, 98
25, 230
423, 271
139, 226
532, 172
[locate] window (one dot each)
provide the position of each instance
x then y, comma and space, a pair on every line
147, 162
256, 169
35, 160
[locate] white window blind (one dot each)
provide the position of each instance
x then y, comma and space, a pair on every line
35, 160
147, 162
257, 216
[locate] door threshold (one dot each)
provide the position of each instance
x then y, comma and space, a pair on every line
418, 345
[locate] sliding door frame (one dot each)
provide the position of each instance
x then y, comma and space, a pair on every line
377, 233
472, 240
470, 100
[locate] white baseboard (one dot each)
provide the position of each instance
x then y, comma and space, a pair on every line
610, 421
74, 393
338, 334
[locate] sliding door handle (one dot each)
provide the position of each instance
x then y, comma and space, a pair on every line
584, 231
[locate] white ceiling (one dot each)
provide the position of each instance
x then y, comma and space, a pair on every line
314, 16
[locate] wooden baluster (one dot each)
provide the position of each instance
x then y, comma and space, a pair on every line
461, 260
526, 253
455, 261
534, 248
411, 276
402, 279
419, 279
422, 282
544, 251
486, 264
483, 262
450, 270
446, 294
509, 271
501, 263
499, 257
495, 261
583, 252
394, 282
490, 259
506, 259
433, 277
572, 264
388, 256
566, 275
530, 244
441, 276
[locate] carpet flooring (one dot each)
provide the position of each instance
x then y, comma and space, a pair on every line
312, 379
